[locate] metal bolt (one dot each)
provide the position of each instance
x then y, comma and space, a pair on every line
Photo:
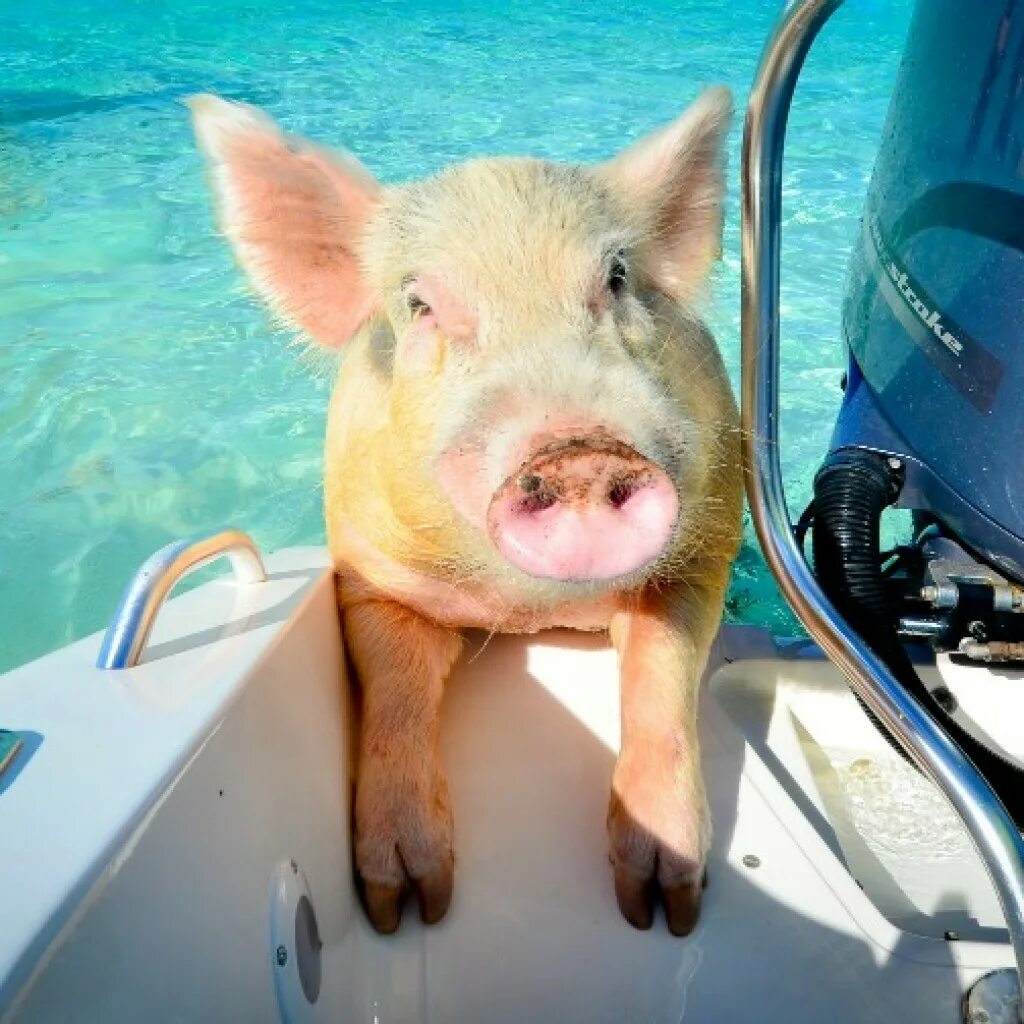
282, 956
895, 463
929, 593
751, 861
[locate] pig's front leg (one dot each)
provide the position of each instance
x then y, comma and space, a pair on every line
403, 818
658, 822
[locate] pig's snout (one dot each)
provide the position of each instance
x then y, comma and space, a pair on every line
584, 509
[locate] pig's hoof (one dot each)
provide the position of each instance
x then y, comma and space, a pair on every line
403, 844
384, 901
654, 865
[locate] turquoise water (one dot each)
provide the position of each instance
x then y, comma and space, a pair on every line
144, 396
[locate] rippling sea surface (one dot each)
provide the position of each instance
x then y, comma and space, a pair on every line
145, 396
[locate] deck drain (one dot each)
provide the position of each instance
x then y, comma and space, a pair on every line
294, 942
993, 999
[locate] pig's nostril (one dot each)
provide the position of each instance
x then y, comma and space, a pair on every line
539, 495
537, 501
620, 493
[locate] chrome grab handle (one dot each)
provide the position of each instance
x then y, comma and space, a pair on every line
990, 827
126, 636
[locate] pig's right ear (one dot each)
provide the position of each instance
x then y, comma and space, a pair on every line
673, 183
294, 214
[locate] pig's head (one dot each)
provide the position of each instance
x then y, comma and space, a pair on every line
530, 319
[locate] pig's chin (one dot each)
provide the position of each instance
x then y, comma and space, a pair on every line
615, 540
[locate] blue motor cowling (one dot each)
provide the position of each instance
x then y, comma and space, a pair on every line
933, 412
934, 323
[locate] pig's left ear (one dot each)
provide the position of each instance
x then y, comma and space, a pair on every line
294, 214
673, 181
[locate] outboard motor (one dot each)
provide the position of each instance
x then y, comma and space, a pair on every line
933, 414
931, 419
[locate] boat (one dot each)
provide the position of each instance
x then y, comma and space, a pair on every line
176, 813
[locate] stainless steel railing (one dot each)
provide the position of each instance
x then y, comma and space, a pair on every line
127, 634
984, 817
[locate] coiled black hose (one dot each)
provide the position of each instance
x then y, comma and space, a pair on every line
851, 490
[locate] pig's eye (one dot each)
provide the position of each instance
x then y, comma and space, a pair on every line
417, 307
617, 275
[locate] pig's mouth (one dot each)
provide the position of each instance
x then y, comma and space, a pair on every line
584, 509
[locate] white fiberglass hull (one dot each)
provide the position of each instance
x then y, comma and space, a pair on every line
149, 830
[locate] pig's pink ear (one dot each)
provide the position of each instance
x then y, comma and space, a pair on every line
673, 181
294, 214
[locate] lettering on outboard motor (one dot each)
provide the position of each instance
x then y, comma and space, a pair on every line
971, 369
932, 319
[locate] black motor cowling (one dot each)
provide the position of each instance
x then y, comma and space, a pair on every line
851, 490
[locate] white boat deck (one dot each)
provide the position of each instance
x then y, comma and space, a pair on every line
143, 832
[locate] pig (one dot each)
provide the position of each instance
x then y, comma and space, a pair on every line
531, 427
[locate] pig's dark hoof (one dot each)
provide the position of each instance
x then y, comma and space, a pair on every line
435, 893
383, 905
649, 862
402, 844
637, 897
682, 906
383, 902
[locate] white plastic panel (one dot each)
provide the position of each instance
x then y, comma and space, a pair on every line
144, 829
179, 926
